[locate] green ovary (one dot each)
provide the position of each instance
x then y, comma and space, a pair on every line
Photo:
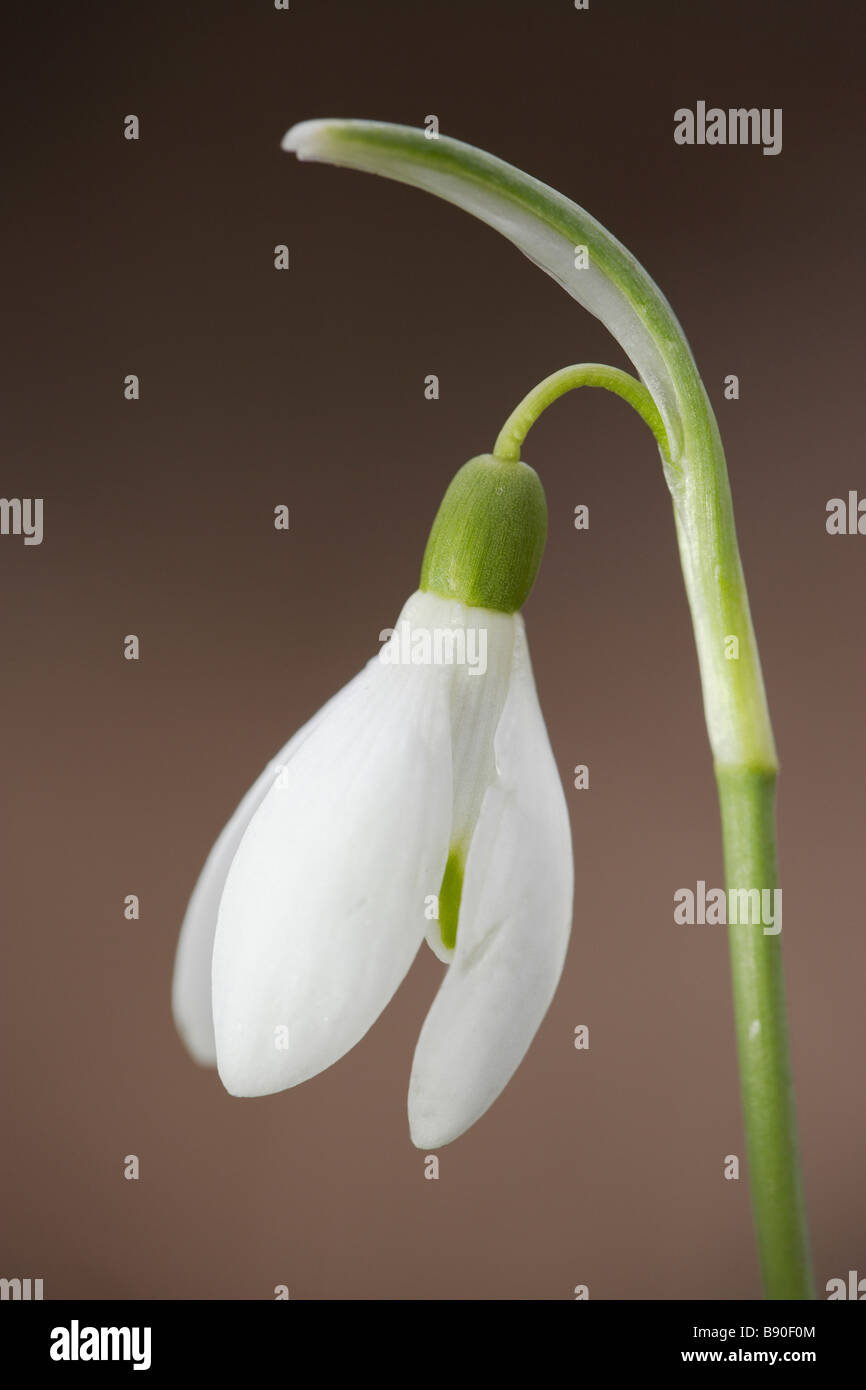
449, 898
488, 536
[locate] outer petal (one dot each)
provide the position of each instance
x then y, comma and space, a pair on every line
515, 918
323, 907
191, 994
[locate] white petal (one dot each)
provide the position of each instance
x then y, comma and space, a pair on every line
478, 690
514, 923
323, 907
192, 995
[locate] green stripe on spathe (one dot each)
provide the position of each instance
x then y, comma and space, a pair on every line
449, 898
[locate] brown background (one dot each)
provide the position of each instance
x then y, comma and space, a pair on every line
603, 1167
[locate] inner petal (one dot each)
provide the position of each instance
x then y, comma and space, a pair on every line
482, 667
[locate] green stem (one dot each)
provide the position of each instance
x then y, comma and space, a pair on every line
747, 801
521, 420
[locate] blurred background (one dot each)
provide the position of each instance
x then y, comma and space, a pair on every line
306, 388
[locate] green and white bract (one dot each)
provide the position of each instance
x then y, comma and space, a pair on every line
317, 894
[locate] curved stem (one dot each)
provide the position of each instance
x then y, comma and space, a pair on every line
521, 419
747, 790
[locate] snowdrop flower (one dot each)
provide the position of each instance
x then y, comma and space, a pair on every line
422, 800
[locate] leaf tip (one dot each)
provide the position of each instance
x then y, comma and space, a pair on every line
305, 139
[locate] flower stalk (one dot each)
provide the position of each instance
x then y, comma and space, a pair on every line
597, 271
513, 433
